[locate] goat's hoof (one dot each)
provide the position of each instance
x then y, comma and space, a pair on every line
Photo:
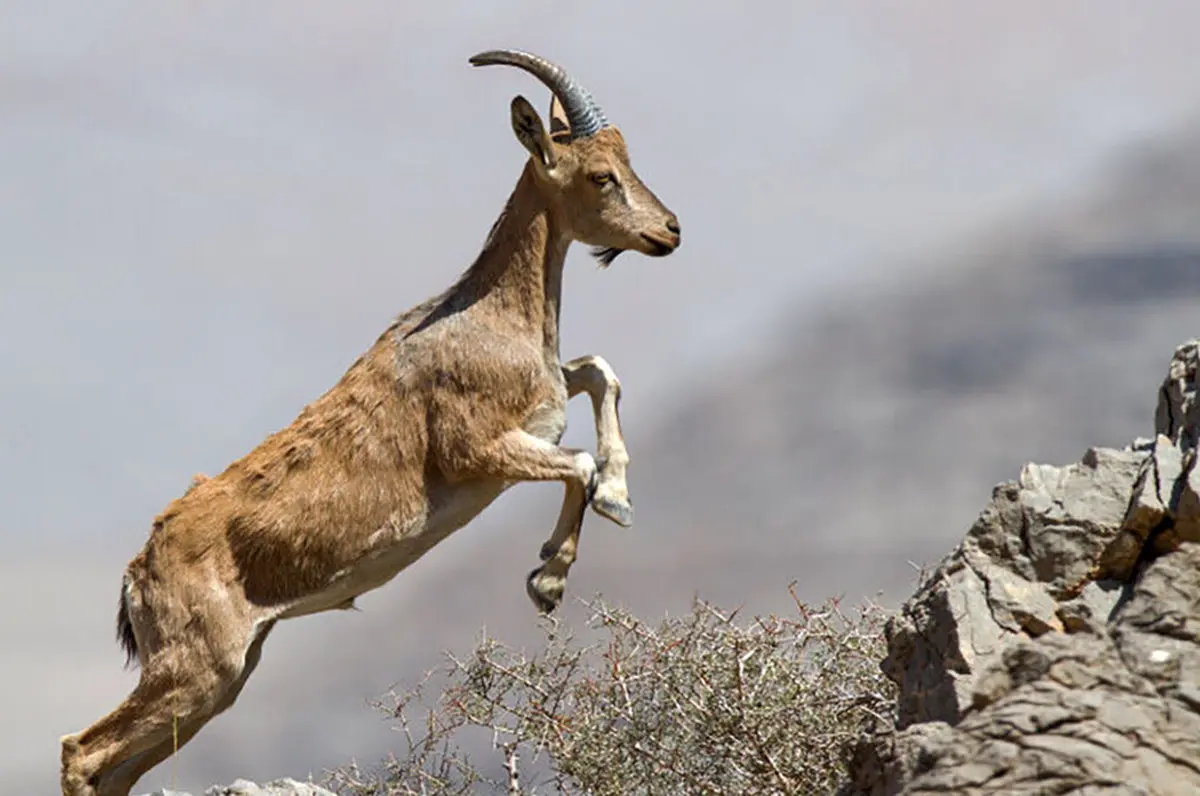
73, 781
546, 591
619, 510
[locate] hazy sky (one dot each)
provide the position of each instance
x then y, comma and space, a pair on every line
208, 209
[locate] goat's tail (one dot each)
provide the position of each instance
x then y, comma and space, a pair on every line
125, 634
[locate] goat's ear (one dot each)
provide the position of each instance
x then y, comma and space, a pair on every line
560, 128
532, 133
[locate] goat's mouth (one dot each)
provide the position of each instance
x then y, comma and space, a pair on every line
659, 247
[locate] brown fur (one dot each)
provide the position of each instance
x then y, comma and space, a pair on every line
461, 397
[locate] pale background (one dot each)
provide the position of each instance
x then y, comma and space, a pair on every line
923, 243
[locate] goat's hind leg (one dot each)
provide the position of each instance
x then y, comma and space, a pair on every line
148, 718
593, 375
178, 693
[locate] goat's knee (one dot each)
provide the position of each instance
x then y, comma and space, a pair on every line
592, 374
608, 377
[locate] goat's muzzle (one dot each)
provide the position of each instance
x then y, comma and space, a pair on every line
664, 242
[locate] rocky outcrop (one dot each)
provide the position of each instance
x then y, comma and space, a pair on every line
1057, 648
242, 787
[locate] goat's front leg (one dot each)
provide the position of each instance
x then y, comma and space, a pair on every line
593, 375
520, 456
546, 584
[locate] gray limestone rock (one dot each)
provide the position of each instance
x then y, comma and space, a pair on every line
1057, 649
242, 787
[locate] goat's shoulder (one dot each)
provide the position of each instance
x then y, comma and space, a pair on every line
452, 352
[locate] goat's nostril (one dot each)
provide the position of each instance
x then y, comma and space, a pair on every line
673, 225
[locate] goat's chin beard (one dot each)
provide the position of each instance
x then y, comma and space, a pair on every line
605, 254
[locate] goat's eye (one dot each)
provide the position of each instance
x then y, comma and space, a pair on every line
602, 177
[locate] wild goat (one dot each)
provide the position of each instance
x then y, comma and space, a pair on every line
460, 398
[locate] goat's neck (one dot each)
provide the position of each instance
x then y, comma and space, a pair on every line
519, 272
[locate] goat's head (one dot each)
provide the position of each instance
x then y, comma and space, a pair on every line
584, 166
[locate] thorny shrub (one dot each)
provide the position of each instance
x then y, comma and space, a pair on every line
700, 704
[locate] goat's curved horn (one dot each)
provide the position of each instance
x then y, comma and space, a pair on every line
583, 113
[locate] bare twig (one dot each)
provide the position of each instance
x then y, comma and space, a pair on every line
510, 765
